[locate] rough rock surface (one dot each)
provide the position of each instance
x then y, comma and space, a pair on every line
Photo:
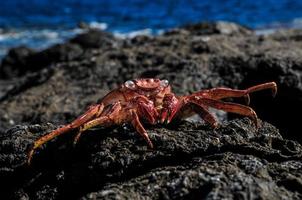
190, 160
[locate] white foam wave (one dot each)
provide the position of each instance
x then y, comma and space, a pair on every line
98, 25
42, 38
275, 26
267, 31
34, 38
297, 23
135, 33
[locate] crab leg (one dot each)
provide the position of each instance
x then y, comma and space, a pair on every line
107, 119
229, 107
146, 108
92, 111
110, 119
96, 122
220, 93
205, 115
139, 128
269, 85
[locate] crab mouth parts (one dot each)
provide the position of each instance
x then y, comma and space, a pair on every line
147, 85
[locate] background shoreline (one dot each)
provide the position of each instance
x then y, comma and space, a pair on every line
40, 24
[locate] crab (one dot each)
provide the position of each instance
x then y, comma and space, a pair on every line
150, 100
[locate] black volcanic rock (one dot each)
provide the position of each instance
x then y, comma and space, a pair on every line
95, 39
15, 63
190, 160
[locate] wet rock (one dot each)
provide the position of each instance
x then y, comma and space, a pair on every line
190, 160
220, 176
15, 63
57, 53
95, 39
22, 61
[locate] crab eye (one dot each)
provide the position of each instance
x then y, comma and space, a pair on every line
130, 84
164, 83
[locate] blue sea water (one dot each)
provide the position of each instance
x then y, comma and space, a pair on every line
40, 23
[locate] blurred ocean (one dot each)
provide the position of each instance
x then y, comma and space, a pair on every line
41, 23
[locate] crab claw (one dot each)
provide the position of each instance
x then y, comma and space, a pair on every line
146, 109
164, 115
170, 107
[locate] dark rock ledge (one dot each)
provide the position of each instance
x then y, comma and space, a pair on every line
191, 160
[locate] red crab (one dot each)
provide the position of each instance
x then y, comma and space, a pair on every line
151, 100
